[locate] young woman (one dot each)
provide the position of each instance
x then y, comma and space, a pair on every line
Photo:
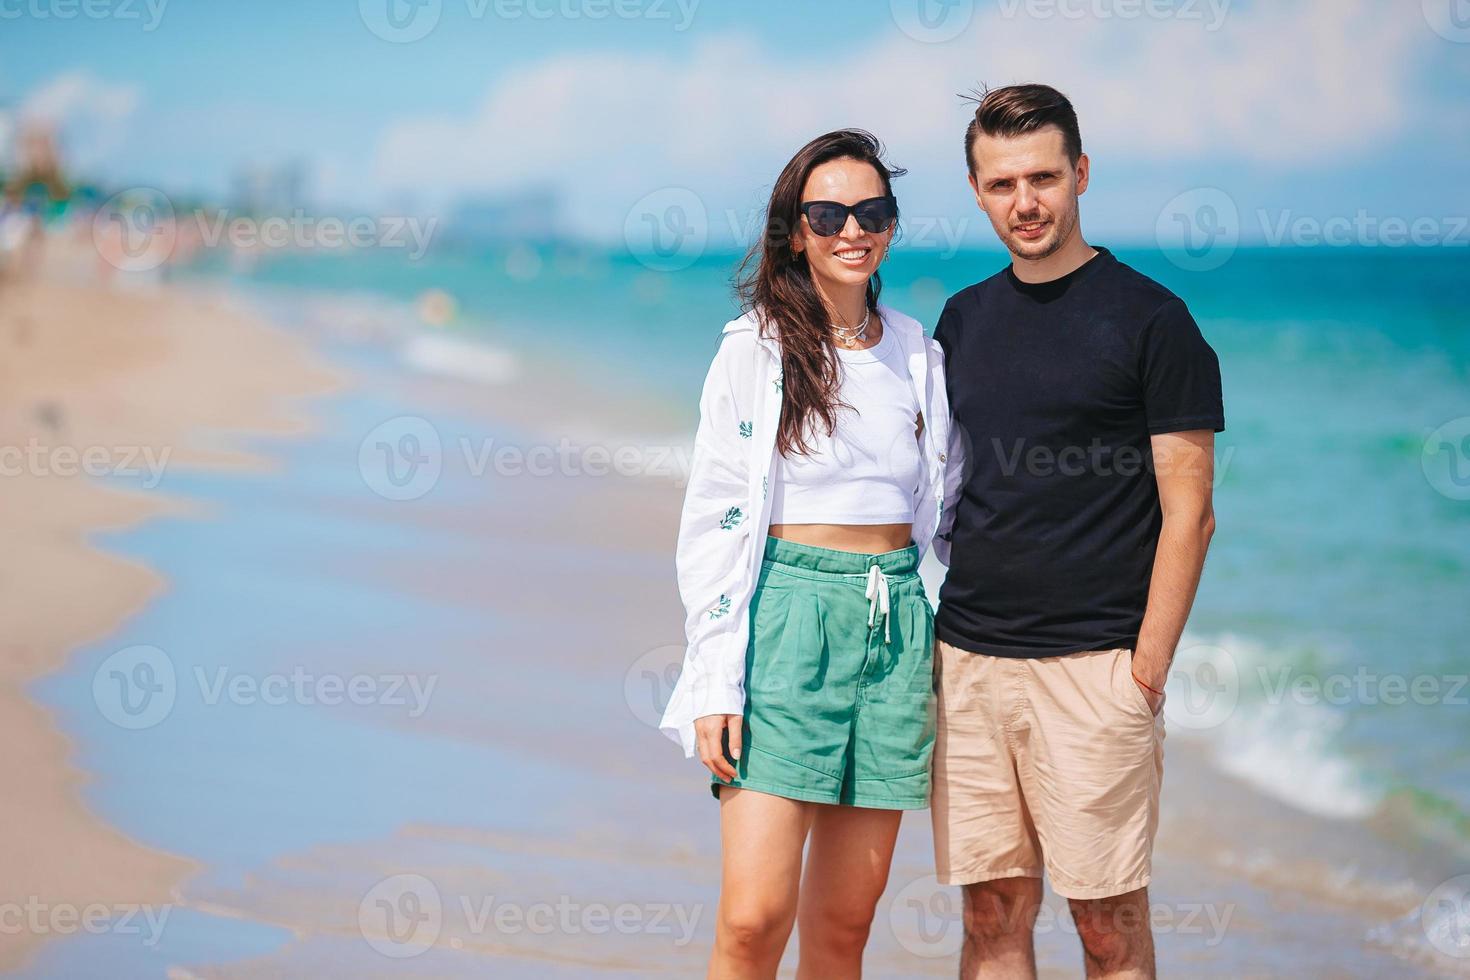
818, 480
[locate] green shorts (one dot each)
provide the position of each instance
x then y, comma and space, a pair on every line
839, 673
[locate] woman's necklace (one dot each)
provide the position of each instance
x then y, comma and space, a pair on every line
850, 336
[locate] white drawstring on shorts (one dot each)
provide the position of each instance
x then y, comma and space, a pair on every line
878, 598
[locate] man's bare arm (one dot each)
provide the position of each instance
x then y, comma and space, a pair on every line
1184, 464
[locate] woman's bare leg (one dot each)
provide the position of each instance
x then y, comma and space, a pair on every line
846, 872
761, 840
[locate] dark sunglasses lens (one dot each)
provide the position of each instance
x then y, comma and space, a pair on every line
876, 215
826, 219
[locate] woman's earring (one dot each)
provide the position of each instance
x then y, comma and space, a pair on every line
886, 249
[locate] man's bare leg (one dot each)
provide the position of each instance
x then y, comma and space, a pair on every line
999, 917
1117, 937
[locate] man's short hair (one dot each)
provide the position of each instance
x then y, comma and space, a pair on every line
1020, 109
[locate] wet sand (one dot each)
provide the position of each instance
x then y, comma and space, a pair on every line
118, 384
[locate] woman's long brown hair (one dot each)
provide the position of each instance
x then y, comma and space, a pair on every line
778, 286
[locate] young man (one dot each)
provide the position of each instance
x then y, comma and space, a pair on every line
1089, 400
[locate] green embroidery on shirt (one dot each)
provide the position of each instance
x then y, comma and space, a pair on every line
722, 608
780, 381
732, 518
746, 429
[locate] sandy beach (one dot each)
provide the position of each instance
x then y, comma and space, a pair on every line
100, 383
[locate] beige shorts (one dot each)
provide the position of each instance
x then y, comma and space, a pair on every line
1049, 763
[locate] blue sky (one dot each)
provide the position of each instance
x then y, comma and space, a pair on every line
1318, 110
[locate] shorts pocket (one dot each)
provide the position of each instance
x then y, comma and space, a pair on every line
1134, 693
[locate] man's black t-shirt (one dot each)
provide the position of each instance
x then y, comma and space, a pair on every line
1056, 388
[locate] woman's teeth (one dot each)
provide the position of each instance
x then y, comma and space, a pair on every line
852, 254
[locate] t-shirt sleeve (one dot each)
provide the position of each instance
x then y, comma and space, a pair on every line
1181, 374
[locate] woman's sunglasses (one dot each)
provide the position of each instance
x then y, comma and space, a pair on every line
875, 215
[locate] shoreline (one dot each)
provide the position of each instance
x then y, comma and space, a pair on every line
534, 389
93, 385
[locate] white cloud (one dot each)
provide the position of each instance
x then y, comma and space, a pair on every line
91, 115
1276, 85
77, 94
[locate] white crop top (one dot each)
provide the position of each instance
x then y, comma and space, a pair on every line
868, 470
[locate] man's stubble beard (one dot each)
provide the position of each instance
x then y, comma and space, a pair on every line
1062, 226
